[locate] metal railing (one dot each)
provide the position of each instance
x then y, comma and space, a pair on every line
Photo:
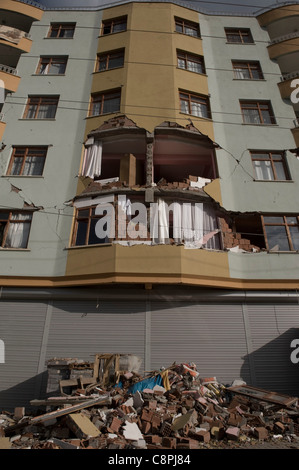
296, 122
7, 69
31, 2
284, 38
1, 117
289, 76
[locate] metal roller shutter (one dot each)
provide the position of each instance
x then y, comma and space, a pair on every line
82, 329
273, 327
22, 326
211, 336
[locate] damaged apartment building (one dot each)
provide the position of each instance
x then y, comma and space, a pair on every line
149, 190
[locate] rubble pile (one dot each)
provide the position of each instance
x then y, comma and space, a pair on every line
173, 408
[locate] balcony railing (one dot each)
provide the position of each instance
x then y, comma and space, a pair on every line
284, 38
296, 122
7, 69
31, 2
1, 117
289, 76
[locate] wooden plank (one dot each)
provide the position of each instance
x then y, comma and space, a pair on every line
104, 400
264, 395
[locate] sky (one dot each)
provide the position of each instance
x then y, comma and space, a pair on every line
233, 6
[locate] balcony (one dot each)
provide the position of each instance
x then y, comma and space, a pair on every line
9, 77
284, 45
2, 125
295, 131
285, 84
277, 14
27, 8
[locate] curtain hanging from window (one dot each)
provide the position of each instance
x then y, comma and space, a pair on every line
92, 160
195, 225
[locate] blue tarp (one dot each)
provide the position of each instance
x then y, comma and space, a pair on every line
146, 383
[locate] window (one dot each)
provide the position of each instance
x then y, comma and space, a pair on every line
187, 27
114, 25
105, 102
239, 35
281, 233
196, 105
257, 112
41, 107
61, 30
247, 70
27, 161
110, 60
270, 166
14, 229
192, 62
85, 228
52, 65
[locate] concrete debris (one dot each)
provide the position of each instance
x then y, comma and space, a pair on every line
174, 408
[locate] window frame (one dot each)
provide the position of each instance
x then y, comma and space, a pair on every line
240, 33
30, 102
50, 59
205, 101
186, 56
258, 104
27, 150
108, 56
272, 161
112, 22
102, 97
285, 224
181, 22
88, 218
248, 65
60, 26
8, 222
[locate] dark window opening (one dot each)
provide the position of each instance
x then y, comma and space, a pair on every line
114, 25
62, 30
239, 35
270, 166
281, 232
27, 161
14, 229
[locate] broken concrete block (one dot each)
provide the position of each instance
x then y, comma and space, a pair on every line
5, 443
132, 432
261, 433
218, 432
81, 426
19, 413
137, 400
181, 421
233, 433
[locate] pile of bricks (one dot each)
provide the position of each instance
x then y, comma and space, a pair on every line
185, 412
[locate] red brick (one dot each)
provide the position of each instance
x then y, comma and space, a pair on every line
146, 427
146, 415
261, 433
169, 442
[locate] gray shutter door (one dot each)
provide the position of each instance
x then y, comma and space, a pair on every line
211, 336
21, 329
82, 329
273, 327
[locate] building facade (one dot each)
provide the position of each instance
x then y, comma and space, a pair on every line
149, 190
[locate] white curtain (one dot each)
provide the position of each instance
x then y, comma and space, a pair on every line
195, 225
92, 163
18, 232
263, 170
